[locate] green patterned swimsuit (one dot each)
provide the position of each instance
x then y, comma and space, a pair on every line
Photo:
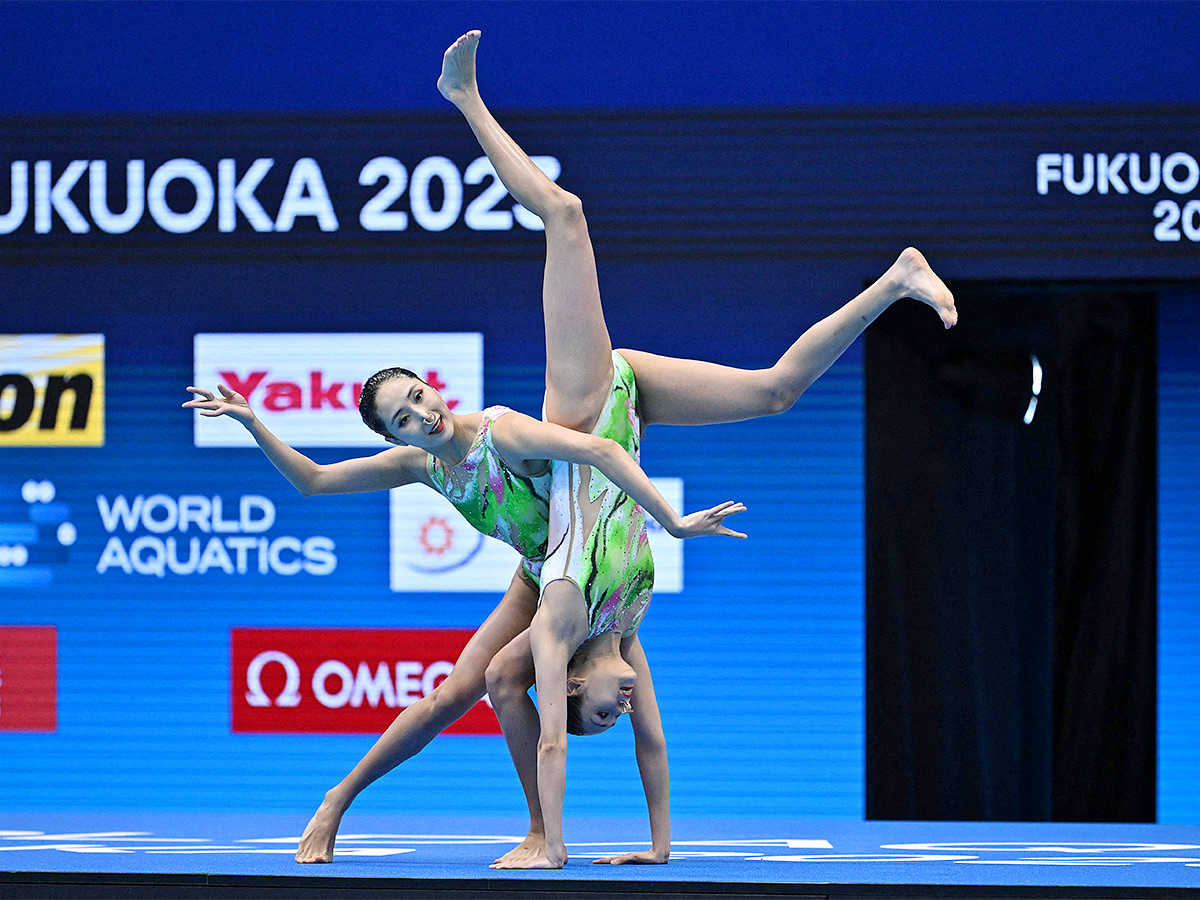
496, 500
598, 533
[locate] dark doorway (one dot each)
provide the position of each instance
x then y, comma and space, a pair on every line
1011, 557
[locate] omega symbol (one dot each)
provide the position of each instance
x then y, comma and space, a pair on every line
289, 696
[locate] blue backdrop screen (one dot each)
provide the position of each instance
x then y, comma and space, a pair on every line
152, 547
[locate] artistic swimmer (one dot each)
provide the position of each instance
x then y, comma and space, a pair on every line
670, 391
581, 650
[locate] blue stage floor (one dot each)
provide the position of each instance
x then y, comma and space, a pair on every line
814, 852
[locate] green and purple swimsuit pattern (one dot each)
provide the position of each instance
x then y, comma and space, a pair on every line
497, 501
598, 533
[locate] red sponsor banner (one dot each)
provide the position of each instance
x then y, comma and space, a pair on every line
28, 678
342, 680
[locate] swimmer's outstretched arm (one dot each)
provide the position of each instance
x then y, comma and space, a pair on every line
381, 472
521, 437
555, 634
509, 677
651, 747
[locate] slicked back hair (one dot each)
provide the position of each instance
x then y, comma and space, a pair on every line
574, 716
366, 400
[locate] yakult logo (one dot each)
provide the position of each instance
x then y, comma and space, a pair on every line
342, 680
239, 541
305, 387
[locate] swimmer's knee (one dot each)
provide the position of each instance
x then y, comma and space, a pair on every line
503, 679
565, 210
454, 696
571, 422
495, 678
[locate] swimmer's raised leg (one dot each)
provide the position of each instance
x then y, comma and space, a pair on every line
578, 348
681, 391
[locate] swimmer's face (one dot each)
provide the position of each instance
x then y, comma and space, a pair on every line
605, 694
414, 413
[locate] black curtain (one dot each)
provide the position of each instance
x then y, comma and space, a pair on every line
1010, 564
1105, 686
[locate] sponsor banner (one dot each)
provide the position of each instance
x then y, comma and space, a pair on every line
434, 549
342, 680
667, 550
28, 678
51, 390
204, 534
305, 387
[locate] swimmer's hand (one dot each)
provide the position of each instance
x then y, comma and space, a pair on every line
640, 858
708, 521
230, 404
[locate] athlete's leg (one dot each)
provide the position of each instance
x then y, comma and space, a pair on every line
690, 392
420, 723
510, 675
578, 348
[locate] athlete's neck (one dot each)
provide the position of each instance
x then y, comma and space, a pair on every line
464, 430
601, 646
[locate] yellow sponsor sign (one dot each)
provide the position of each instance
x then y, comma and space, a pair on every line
51, 390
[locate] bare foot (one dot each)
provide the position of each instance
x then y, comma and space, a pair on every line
316, 844
538, 861
457, 81
533, 845
914, 278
